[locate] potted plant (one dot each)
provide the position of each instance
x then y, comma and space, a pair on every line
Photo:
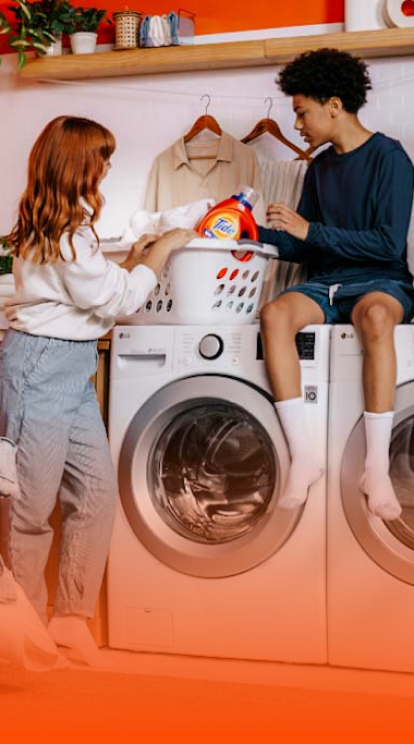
37, 24
55, 17
83, 35
6, 265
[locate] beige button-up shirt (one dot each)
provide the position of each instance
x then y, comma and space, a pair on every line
176, 179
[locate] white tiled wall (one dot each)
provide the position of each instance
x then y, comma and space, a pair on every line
148, 113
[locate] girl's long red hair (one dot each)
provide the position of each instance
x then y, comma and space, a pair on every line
65, 167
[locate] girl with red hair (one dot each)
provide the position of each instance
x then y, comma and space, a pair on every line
67, 296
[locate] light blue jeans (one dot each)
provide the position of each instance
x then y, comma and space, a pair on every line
48, 407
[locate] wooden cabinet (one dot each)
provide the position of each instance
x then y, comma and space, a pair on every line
98, 624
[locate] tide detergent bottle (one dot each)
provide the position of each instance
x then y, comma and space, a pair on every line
232, 218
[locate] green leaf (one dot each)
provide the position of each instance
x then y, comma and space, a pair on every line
49, 37
56, 27
6, 264
20, 44
40, 47
21, 60
25, 9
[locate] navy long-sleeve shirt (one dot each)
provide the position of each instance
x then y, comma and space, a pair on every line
359, 206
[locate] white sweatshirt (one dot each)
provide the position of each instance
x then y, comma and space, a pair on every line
78, 299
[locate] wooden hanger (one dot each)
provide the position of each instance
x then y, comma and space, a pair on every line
310, 151
272, 127
203, 122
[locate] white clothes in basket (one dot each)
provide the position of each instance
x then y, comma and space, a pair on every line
156, 223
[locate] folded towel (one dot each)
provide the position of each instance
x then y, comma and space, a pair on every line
159, 31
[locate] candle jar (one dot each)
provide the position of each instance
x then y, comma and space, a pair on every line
126, 29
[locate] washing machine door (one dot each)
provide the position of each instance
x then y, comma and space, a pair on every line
200, 471
390, 544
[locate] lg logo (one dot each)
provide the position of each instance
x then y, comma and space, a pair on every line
311, 394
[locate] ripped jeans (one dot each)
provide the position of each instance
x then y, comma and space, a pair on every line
48, 407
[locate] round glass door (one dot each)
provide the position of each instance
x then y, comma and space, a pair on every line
402, 476
390, 544
212, 472
200, 471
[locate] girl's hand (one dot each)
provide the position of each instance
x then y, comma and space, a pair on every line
140, 247
154, 252
284, 218
173, 239
138, 252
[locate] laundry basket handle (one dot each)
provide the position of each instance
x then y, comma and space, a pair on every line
265, 249
212, 244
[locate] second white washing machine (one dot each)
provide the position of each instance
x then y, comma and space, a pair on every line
370, 561
202, 560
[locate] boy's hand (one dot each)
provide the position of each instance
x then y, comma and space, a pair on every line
284, 218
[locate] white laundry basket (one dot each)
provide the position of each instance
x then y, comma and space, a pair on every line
209, 282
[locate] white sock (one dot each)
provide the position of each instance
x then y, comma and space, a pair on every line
376, 482
305, 468
72, 632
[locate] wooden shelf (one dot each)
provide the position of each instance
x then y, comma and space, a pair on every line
148, 61
388, 42
367, 44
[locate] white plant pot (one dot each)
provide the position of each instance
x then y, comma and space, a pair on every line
83, 42
55, 49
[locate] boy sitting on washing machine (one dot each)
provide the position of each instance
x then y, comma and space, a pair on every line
351, 230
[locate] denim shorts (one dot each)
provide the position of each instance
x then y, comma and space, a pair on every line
337, 301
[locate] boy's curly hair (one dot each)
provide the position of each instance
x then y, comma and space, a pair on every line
324, 73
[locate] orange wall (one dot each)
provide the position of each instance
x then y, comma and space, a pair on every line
216, 16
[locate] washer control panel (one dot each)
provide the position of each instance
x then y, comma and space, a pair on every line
222, 347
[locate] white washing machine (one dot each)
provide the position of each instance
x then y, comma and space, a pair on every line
370, 561
202, 562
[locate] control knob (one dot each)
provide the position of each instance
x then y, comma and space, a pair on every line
211, 346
